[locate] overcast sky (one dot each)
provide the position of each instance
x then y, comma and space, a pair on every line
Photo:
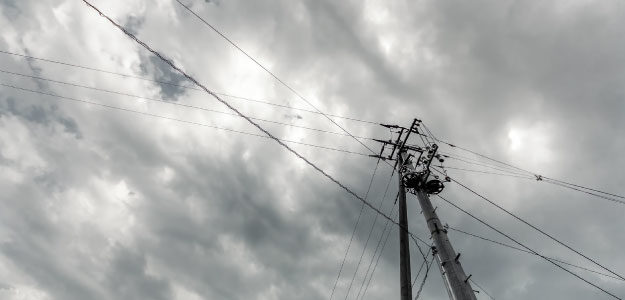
98, 203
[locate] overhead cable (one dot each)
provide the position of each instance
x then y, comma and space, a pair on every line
173, 103
527, 248
483, 172
572, 187
375, 266
176, 120
364, 247
274, 75
263, 130
534, 227
529, 252
349, 244
28, 57
540, 177
425, 277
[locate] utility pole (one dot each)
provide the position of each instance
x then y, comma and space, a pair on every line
404, 242
414, 177
456, 280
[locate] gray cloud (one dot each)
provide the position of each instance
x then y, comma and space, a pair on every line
102, 204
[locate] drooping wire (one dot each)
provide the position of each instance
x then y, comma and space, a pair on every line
263, 130
527, 248
364, 248
273, 75
427, 268
583, 187
28, 57
423, 263
173, 103
528, 252
349, 244
534, 227
176, 120
425, 277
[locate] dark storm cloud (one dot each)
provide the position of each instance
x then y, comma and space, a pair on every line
212, 215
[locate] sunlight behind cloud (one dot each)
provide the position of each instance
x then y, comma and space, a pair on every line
530, 145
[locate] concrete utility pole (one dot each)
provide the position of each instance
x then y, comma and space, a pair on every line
456, 279
404, 246
415, 178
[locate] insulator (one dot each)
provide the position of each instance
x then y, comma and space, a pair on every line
441, 160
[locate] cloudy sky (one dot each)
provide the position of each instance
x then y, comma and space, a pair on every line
100, 203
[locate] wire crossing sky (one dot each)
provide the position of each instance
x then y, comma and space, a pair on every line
106, 196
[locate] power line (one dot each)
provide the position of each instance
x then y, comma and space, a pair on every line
28, 57
364, 248
362, 284
423, 263
377, 164
572, 187
484, 156
579, 186
173, 103
425, 277
557, 182
263, 130
534, 227
541, 177
525, 251
484, 165
273, 75
483, 172
375, 266
527, 248
427, 268
176, 120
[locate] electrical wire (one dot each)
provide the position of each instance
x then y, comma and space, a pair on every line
541, 177
273, 75
527, 248
425, 277
362, 208
549, 180
485, 165
364, 248
483, 172
423, 263
173, 103
176, 120
263, 130
534, 227
265, 102
523, 250
375, 266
